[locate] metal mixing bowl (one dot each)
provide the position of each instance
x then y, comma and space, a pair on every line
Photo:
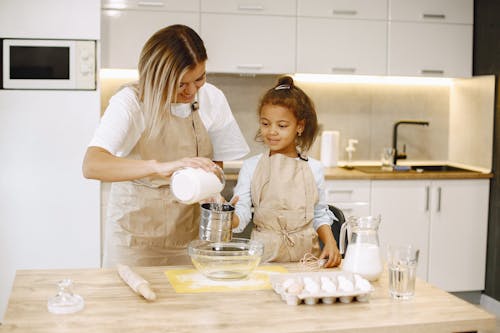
231, 260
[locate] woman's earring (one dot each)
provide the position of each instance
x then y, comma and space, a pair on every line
299, 133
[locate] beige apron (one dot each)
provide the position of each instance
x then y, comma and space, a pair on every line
284, 194
145, 225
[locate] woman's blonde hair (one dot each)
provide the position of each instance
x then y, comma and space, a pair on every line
286, 94
165, 58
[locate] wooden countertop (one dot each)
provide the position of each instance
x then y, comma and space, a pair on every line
343, 174
111, 306
340, 173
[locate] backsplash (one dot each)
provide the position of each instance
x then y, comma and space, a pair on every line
460, 115
361, 111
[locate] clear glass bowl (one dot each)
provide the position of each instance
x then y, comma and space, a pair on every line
231, 260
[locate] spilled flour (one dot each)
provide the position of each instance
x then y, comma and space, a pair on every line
191, 281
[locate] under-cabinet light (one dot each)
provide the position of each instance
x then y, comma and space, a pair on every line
107, 73
397, 80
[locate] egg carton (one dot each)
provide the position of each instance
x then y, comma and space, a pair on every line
298, 288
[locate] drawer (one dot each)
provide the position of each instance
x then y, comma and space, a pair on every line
253, 7
344, 9
436, 11
354, 209
347, 191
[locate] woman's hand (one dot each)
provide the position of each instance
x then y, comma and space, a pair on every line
166, 169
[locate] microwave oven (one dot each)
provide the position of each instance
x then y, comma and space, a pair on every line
48, 64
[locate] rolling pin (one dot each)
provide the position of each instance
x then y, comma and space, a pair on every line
136, 282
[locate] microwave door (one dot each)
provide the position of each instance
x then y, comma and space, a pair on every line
31, 64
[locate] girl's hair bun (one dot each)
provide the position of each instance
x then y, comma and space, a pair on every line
285, 81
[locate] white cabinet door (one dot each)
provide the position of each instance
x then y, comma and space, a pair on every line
256, 44
418, 49
441, 11
351, 196
447, 220
124, 33
405, 209
331, 46
355, 9
458, 234
255, 7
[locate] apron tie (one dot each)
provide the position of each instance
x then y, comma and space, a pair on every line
286, 238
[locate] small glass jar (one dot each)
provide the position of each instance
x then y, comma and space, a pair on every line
65, 301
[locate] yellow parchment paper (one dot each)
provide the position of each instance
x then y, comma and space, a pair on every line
192, 281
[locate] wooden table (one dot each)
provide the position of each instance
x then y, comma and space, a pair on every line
110, 306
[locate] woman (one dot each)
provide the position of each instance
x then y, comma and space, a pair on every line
170, 119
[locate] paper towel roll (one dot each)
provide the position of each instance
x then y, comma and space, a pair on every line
330, 148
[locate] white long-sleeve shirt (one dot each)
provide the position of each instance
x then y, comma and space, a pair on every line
322, 215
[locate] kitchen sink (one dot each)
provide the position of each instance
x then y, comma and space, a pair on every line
438, 168
412, 169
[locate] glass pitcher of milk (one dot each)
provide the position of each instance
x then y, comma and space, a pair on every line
363, 253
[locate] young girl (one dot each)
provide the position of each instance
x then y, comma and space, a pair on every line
285, 187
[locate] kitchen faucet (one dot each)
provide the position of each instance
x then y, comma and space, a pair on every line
397, 155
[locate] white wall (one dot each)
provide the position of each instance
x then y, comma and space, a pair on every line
49, 214
471, 121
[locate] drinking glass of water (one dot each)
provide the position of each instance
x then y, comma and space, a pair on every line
387, 158
402, 268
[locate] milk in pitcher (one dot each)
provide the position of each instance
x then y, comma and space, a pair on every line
363, 259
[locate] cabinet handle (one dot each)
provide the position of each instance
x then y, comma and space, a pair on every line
439, 200
250, 66
344, 70
344, 12
250, 7
427, 198
433, 16
432, 71
150, 3
340, 191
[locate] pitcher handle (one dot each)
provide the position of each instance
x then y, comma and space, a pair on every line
343, 229
217, 170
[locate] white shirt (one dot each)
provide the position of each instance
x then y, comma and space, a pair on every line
123, 122
322, 215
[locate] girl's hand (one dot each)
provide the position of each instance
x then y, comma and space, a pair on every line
236, 220
331, 251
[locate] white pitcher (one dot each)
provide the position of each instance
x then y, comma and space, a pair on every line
363, 253
190, 185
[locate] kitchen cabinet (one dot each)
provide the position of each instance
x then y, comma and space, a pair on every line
442, 11
430, 38
261, 7
256, 39
351, 196
328, 46
126, 26
343, 9
342, 37
446, 219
